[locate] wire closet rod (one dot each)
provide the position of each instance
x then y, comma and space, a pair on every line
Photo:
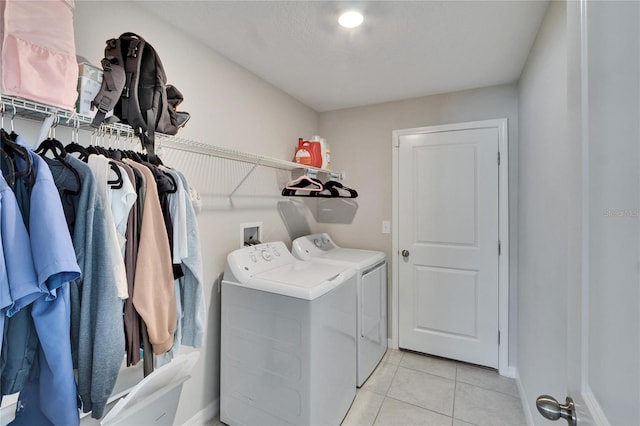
33, 110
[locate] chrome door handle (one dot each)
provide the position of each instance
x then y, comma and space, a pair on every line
405, 253
551, 409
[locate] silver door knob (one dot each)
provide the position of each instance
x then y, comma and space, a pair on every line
405, 253
551, 409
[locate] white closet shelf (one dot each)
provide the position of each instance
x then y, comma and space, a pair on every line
33, 110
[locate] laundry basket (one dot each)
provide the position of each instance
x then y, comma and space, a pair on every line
154, 401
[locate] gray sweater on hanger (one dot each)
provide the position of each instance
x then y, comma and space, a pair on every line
97, 332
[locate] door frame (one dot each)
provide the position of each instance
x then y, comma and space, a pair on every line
503, 229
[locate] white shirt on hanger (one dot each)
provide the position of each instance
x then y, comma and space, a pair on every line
101, 170
121, 201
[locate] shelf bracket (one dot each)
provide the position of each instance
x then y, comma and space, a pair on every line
335, 176
244, 179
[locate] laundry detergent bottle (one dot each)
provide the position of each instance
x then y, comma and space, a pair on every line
323, 150
308, 153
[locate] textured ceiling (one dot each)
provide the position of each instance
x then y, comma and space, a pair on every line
404, 49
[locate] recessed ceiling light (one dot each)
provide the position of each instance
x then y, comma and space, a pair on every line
351, 19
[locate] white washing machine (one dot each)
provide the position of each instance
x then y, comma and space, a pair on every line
288, 339
371, 285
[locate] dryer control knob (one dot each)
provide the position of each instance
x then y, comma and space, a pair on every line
317, 242
266, 255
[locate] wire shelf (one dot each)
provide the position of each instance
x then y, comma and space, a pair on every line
33, 110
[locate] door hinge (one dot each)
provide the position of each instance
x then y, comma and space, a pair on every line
498, 158
499, 247
498, 337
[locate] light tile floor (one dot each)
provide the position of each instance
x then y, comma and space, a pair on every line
411, 389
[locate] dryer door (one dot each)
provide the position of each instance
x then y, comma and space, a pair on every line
372, 320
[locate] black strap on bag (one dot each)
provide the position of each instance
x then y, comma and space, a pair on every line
113, 82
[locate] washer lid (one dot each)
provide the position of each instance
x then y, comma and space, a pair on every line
321, 246
301, 279
359, 259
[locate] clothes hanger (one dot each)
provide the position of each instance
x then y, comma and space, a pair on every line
53, 145
92, 149
6, 162
59, 153
76, 147
118, 182
8, 169
174, 184
327, 192
302, 183
99, 150
12, 149
116, 154
332, 184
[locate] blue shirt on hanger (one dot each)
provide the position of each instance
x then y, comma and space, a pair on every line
21, 285
21, 276
52, 398
5, 297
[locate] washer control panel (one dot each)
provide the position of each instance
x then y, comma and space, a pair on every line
248, 261
313, 245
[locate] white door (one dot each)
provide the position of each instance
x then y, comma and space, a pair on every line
603, 343
448, 236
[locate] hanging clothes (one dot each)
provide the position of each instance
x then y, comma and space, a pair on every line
101, 168
95, 271
122, 197
5, 295
178, 212
189, 291
22, 288
96, 320
55, 265
130, 316
191, 285
166, 186
154, 296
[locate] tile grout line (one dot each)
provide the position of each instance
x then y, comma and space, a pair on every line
386, 393
378, 411
455, 389
417, 406
488, 388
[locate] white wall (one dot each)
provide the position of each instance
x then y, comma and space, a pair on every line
230, 107
361, 144
542, 213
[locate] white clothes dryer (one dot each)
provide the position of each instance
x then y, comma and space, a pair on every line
371, 285
288, 339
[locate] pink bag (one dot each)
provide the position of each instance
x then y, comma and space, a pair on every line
38, 52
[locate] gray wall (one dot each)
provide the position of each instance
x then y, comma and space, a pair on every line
361, 144
231, 108
542, 213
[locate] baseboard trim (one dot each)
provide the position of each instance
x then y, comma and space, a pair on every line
524, 400
204, 415
390, 344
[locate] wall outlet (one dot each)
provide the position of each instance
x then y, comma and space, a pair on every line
386, 227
